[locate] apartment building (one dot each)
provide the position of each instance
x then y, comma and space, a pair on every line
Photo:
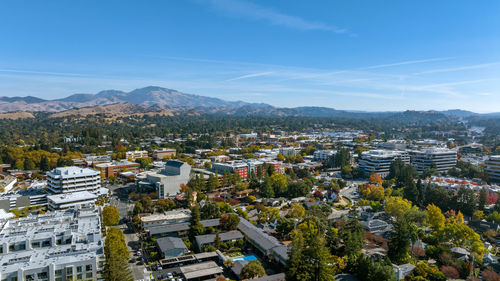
288, 151
323, 155
166, 218
441, 158
232, 167
379, 161
116, 167
136, 154
73, 179
57, 246
492, 168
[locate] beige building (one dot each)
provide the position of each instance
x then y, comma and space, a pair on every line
159, 154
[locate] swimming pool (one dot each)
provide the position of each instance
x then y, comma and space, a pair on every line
246, 258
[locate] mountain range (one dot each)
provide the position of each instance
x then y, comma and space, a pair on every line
158, 100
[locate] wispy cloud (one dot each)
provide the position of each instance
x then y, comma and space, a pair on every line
250, 76
404, 63
241, 8
35, 72
460, 68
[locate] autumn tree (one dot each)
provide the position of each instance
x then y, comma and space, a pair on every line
110, 215
376, 179
435, 217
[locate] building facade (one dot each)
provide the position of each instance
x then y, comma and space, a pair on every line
73, 179
116, 167
442, 159
159, 154
379, 161
492, 168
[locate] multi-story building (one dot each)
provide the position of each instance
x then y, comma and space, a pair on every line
136, 154
116, 167
70, 200
159, 154
168, 182
323, 155
73, 179
232, 167
288, 151
167, 218
379, 161
492, 168
57, 246
442, 159
30, 197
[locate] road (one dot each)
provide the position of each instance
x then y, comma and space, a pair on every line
119, 199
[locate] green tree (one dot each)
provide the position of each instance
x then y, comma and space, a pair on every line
110, 215
252, 270
266, 189
309, 260
465, 200
352, 235
279, 183
284, 227
296, 211
29, 164
435, 217
483, 196
116, 267
400, 241
210, 211
44, 163
229, 222
195, 226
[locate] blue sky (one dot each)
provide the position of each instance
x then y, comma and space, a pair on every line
358, 55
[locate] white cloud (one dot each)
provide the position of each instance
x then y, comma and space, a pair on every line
250, 76
240, 8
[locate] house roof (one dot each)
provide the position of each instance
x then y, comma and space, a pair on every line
274, 277
169, 243
183, 226
238, 266
225, 236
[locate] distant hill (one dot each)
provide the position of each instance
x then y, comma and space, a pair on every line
158, 100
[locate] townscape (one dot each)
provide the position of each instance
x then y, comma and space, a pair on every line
237, 140
312, 204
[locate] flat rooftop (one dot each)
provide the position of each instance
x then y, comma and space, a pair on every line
200, 270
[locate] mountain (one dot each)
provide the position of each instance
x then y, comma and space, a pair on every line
158, 100
147, 96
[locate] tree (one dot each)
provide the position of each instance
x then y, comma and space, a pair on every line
410, 191
44, 163
279, 183
284, 227
376, 179
296, 211
28, 164
483, 197
252, 270
110, 215
268, 215
399, 242
421, 193
297, 189
164, 205
396, 206
352, 234
212, 182
195, 226
266, 189
465, 200
210, 211
229, 222
435, 217
477, 215
116, 252
309, 260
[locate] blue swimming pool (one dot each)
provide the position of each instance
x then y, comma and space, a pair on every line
246, 258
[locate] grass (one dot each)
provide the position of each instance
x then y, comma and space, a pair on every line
234, 255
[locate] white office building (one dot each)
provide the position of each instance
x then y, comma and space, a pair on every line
442, 158
323, 155
492, 168
57, 246
73, 179
379, 161
70, 200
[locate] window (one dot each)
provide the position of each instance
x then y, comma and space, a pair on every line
58, 272
35, 245
79, 277
42, 275
88, 275
88, 267
69, 270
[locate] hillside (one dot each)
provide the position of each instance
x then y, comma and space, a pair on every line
114, 110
